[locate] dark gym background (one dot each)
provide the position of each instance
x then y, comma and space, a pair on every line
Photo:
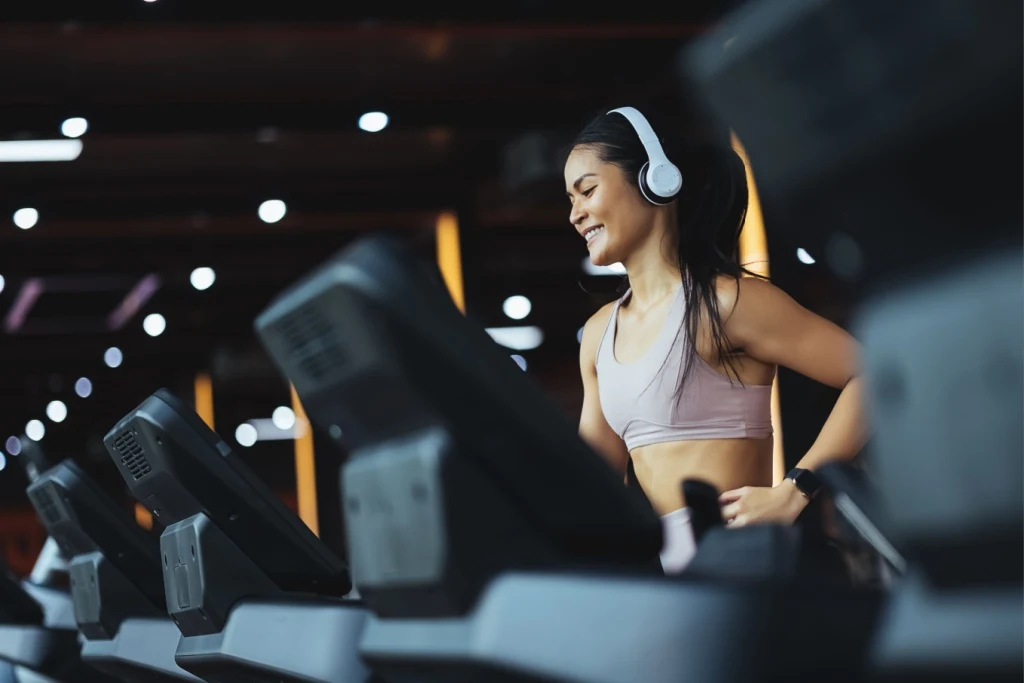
197, 114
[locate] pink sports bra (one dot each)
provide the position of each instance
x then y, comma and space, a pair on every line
639, 402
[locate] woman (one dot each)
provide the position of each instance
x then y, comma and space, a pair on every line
677, 373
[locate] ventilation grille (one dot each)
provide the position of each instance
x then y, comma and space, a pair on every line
44, 506
132, 455
313, 342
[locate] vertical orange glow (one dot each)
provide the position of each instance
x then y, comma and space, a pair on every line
754, 257
204, 398
143, 517
305, 467
449, 257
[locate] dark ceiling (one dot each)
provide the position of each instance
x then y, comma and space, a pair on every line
197, 114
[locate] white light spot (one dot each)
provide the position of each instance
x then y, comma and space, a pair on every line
113, 357
520, 361
35, 430
83, 387
26, 218
74, 127
266, 430
56, 411
40, 150
283, 417
579, 336
203, 278
245, 435
154, 324
2, 283
517, 338
373, 121
614, 269
804, 256
272, 210
3, 462
335, 432
13, 445
517, 307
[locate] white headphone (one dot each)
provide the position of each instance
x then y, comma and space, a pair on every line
660, 180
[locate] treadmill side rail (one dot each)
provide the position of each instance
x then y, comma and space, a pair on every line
608, 630
143, 651
281, 641
51, 652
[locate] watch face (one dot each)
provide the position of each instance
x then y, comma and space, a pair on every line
807, 482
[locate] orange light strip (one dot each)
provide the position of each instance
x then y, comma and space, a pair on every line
204, 398
754, 256
449, 257
143, 517
305, 467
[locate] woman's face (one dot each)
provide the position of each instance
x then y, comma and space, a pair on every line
607, 210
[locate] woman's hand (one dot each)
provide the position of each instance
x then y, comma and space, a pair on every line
780, 504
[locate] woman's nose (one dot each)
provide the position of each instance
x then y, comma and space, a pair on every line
576, 215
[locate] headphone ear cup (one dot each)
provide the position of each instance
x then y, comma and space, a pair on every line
648, 193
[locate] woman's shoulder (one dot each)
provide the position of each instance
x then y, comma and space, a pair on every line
594, 329
596, 324
746, 295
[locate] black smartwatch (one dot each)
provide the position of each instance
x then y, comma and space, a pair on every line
805, 482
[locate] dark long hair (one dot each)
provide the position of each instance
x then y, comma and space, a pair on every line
711, 209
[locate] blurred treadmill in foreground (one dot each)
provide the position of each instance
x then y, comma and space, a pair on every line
886, 137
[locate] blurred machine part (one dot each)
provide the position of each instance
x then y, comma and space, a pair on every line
253, 592
38, 638
31, 458
116, 581
944, 363
884, 135
878, 130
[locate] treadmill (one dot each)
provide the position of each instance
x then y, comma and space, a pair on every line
116, 582
254, 593
38, 634
488, 540
39, 640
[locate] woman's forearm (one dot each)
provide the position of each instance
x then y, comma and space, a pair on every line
844, 433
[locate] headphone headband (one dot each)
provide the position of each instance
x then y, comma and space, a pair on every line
648, 138
660, 180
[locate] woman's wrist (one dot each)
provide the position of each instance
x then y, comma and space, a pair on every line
795, 499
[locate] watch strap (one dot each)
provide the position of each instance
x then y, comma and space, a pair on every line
805, 481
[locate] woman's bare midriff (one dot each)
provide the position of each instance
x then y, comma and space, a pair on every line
724, 463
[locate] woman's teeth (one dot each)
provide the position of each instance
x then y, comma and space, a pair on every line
592, 233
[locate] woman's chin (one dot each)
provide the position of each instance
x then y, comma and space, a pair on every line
599, 257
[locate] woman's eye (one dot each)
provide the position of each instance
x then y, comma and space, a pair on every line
588, 192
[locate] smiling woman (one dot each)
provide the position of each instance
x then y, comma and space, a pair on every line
677, 374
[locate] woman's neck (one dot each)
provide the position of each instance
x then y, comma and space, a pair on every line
653, 272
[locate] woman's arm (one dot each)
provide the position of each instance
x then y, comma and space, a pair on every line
774, 329
593, 427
